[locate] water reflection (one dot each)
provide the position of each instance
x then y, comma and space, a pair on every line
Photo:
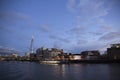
82, 71
59, 71
68, 71
114, 71
36, 71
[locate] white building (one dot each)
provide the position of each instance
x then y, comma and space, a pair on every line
77, 57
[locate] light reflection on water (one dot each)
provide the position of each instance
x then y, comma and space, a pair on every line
14, 70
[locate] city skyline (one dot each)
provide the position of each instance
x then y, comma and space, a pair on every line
73, 25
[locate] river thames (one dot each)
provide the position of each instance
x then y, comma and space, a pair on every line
16, 70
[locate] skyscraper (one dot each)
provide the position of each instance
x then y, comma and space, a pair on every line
32, 45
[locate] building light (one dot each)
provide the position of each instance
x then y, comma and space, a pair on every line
117, 46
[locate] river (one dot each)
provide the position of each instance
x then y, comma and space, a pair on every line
17, 70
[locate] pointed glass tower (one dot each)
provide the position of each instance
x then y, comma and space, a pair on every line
32, 45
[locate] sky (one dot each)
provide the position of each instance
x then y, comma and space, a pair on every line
72, 25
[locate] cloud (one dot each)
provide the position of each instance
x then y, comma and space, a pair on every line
4, 28
71, 4
21, 20
81, 42
96, 33
110, 36
77, 33
21, 15
89, 9
101, 30
59, 38
8, 51
93, 8
104, 26
57, 44
45, 28
91, 30
78, 30
17, 19
13, 15
90, 45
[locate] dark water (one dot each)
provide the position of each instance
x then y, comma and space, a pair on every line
14, 70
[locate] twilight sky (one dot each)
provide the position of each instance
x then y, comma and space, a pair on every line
73, 25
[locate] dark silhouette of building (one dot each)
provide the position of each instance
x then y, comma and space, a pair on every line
33, 56
114, 51
32, 53
90, 55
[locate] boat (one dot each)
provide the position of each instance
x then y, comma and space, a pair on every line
52, 62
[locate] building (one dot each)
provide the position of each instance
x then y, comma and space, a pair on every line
14, 55
33, 57
90, 55
32, 45
77, 57
31, 53
114, 51
27, 56
48, 53
42, 53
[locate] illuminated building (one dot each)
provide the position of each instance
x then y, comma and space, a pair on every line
14, 55
77, 57
48, 53
114, 51
42, 53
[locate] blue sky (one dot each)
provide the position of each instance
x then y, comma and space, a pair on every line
74, 25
